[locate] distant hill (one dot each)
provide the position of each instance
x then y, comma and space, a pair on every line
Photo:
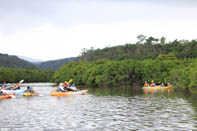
55, 64
11, 61
31, 60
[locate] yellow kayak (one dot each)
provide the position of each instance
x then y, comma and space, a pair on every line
67, 93
157, 88
31, 94
28, 94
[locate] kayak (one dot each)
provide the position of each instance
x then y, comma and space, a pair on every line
28, 94
81, 92
31, 94
157, 88
17, 92
11, 95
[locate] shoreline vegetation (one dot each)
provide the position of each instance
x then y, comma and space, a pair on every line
149, 59
14, 75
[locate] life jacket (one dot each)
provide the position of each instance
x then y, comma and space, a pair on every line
145, 84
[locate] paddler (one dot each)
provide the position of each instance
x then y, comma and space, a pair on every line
73, 87
145, 84
29, 90
60, 87
152, 83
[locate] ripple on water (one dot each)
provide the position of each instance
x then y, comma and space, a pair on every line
92, 112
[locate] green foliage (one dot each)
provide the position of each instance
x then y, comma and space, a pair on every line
145, 48
106, 73
185, 75
15, 75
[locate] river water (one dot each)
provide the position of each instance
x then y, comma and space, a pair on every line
103, 109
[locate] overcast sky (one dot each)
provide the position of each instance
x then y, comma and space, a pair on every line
54, 29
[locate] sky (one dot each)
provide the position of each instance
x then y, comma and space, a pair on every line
55, 29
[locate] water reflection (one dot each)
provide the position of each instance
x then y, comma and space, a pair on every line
158, 92
102, 109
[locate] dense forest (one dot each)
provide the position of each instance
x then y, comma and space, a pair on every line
28, 75
148, 59
10, 61
145, 48
106, 73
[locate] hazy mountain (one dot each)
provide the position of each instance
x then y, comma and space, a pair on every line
55, 64
30, 59
11, 61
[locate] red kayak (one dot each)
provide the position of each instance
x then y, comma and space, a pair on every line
10, 95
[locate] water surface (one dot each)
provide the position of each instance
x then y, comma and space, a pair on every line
102, 109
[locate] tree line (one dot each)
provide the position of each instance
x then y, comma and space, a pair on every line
29, 75
106, 73
145, 48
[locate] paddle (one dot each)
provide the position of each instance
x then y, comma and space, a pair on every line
68, 81
21, 81
12, 96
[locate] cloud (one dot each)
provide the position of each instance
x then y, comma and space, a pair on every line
52, 29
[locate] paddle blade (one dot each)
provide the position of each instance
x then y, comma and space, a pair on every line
12, 96
21, 81
70, 80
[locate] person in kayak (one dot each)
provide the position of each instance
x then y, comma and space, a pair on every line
68, 89
67, 86
152, 84
29, 90
9, 86
16, 87
162, 85
145, 84
73, 87
60, 87
168, 84
3, 85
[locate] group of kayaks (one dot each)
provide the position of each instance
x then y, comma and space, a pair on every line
12, 93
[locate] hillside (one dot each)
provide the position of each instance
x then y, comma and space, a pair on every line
146, 48
54, 64
11, 61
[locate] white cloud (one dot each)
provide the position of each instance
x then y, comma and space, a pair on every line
51, 42
61, 29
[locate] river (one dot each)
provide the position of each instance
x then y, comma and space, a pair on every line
103, 109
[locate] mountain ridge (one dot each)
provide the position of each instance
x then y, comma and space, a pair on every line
55, 64
12, 61
31, 60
